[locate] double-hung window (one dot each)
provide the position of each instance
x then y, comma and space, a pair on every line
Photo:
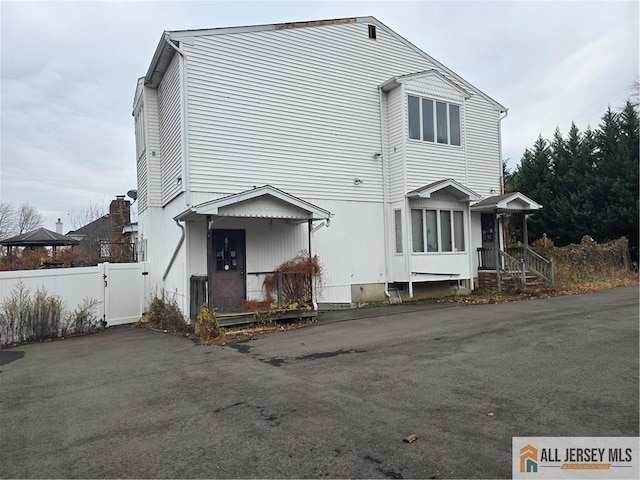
435, 231
433, 121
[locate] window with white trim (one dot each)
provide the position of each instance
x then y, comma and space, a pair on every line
397, 217
434, 231
433, 121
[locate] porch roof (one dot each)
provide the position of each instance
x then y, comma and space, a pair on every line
449, 185
259, 202
507, 202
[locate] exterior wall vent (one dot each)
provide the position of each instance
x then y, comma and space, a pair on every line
372, 32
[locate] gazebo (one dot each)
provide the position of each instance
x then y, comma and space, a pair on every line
40, 237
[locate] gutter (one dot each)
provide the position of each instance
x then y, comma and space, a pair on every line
175, 252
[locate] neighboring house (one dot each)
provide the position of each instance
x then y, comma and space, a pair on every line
336, 136
110, 238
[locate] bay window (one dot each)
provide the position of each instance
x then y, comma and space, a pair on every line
435, 231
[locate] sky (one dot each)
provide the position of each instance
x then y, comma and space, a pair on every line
68, 72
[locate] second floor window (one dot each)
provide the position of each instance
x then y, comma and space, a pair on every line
433, 121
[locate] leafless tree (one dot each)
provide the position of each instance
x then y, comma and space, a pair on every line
90, 212
7, 220
27, 218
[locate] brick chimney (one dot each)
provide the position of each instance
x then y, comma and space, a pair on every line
59, 227
119, 216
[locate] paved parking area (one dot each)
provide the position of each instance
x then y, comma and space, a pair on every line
330, 400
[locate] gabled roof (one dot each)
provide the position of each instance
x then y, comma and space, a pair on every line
449, 185
165, 52
507, 202
259, 202
98, 228
396, 81
40, 237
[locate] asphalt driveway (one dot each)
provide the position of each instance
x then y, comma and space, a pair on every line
330, 400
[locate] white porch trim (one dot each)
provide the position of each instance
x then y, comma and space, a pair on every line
260, 202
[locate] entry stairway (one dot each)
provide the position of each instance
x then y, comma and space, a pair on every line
520, 268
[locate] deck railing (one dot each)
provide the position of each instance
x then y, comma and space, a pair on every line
520, 259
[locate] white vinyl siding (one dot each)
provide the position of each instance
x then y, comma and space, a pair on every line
482, 144
143, 175
296, 108
397, 226
169, 108
153, 153
395, 142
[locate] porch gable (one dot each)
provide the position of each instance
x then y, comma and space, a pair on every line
259, 202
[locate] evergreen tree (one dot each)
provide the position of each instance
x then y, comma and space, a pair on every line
587, 183
533, 178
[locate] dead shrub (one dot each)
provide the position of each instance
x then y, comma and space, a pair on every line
165, 314
586, 262
84, 318
27, 316
301, 276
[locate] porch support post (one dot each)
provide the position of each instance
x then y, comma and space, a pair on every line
209, 264
525, 239
496, 242
279, 293
310, 223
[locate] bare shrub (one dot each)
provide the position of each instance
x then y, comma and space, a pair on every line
45, 316
301, 276
84, 318
588, 261
26, 316
165, 314
14, 314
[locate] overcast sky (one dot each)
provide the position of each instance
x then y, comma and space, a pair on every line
69, 70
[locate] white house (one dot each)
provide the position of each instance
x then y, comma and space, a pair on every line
335, 136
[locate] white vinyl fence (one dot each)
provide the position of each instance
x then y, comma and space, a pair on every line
121, 289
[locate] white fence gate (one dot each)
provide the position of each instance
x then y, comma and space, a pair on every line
121, 289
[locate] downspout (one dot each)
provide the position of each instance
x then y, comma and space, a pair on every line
186, 174
407, 210
498, 226
385, 219
175, 252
